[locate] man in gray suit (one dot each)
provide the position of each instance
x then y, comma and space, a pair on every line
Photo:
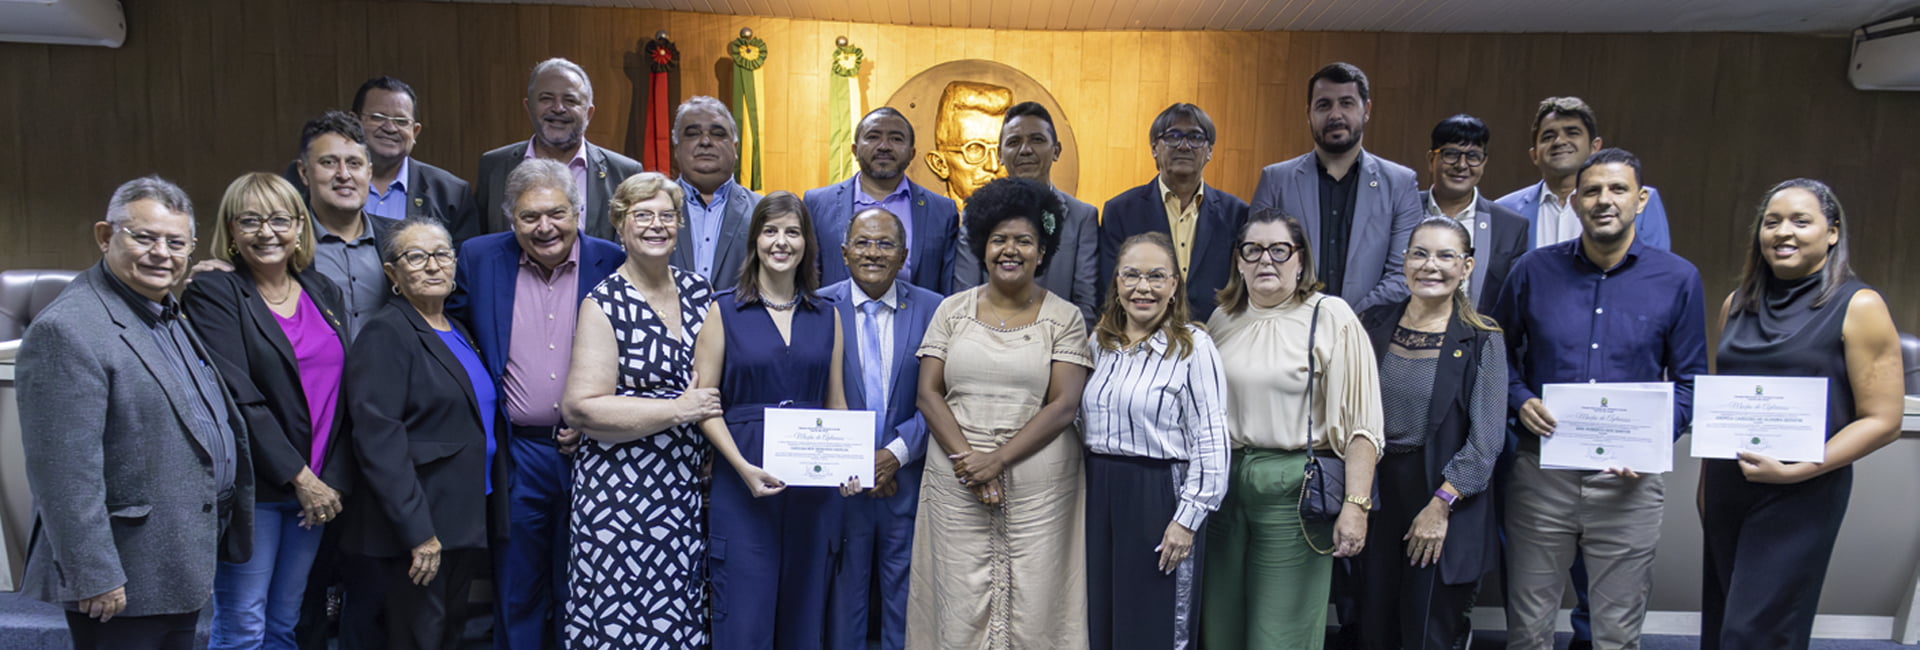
137, 456
559, 104
1028, 149
1359, 209
1497, 234
706, 146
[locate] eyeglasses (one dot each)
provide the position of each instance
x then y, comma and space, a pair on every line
1190, 139
646, 218
382, 119
251, 223
1420, 256
416, 259
147, 241
1156, 278
1279, 251
976, 152
882, 245
1453, 156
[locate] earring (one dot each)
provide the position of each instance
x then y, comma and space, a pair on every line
395, 289
232, 251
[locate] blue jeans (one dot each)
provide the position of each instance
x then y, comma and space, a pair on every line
256, 604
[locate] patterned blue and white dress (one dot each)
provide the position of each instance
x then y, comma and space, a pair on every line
638, 577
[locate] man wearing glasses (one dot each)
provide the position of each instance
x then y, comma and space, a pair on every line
1495, 233
402, 186
1359, 209
1202, 221
137, 457
883, 145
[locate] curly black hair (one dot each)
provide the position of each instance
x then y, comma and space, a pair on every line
1015, 198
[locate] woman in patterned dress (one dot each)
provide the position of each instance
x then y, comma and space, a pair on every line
639, 532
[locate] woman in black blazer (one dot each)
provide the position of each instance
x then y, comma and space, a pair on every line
422, 407
1443, 382
272, 328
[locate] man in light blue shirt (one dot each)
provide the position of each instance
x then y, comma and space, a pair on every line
714, 241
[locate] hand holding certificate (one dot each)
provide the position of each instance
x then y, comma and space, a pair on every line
1609, 426
1784, 418
819, 448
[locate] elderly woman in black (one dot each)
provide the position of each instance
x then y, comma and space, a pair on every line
422, 407
1443, 378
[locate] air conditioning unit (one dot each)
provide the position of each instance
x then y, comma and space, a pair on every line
63, 22
1886, 55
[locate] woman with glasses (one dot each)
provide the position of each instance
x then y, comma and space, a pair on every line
1268, 574
640, 581
1155, 421
422, 407
998, 557
1443, 381
273, 326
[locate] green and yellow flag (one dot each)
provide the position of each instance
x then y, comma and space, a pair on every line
845, 105
749, 56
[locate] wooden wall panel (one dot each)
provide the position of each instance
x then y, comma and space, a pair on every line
204, 91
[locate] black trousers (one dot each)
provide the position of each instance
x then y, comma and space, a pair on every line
1130, 602
1403, 605
1767, 550
384, 610
159, 632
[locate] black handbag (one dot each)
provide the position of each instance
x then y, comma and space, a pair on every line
1323, 493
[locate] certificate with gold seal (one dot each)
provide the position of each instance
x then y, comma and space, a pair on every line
1781, 417
818, 447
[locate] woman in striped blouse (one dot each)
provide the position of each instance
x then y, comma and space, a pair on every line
1155, 421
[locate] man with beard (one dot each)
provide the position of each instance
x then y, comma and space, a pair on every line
1202, 221
883, 145
1564, 134
559, 104
1028, 149
1359, 209
519, 292
706, 145
1605, 307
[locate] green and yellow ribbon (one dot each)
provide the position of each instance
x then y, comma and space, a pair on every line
844, 109
749, 57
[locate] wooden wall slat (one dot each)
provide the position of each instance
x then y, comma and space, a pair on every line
203, 91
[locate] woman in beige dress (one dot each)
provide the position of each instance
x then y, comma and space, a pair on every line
997, 549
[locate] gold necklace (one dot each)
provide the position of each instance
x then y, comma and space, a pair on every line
1003, 316
292, 288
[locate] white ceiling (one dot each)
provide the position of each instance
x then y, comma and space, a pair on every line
1803, 16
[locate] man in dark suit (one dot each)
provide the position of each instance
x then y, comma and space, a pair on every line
1028, 149
519, 293
1202, 221
1358, 209
559, 103
1457, 160
883, 145
882, 319
138, 459
706, 146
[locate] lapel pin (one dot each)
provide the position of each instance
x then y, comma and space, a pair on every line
1456, 354
417, 202
1373, 184
1483, 225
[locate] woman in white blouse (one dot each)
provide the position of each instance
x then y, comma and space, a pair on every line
1267, 575
1155, 421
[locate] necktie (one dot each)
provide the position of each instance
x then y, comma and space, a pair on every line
871, 364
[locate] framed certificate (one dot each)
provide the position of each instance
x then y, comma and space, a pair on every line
1781, 417
1602, 426
818, 447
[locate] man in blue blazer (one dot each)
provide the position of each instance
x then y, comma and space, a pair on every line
883, 144
1358, 209
883, 319
1201, 220
519, 293
1564, 135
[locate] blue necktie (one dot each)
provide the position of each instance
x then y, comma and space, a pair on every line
871, 364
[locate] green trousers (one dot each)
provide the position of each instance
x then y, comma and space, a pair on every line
1265, 588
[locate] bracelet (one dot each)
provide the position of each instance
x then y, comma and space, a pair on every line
1445, 497
1365, 503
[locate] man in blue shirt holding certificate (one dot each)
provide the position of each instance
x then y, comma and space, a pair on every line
1605, 307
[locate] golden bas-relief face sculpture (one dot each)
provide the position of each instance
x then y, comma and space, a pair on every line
966, 137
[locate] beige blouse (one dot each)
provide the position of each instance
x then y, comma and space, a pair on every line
1263, 352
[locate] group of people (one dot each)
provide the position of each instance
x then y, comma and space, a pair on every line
351, 391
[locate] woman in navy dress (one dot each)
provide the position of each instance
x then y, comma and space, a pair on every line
1770, 526
639, 528
769, 342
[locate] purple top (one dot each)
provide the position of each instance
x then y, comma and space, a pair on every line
319, 359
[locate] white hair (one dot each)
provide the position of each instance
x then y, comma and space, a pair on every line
703, 102
148, 188
557, 63
539, 172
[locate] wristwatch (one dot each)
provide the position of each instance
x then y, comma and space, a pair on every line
1365, 503
1446, 497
